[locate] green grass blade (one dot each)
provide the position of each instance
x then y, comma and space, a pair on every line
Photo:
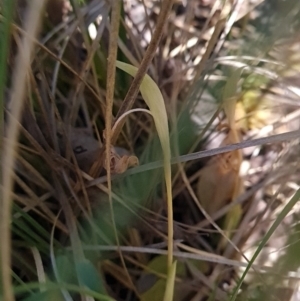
288, 207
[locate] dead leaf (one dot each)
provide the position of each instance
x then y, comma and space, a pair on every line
218, 180
119, 164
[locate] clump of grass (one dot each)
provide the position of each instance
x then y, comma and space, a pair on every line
71, 226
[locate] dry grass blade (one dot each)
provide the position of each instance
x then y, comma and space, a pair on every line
190, 254
149, 54
111, 72
155, 102
62, 62
32, 23
39, 266
292, 135
288, 207
210, 48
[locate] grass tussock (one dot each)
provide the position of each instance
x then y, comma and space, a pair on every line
177, 179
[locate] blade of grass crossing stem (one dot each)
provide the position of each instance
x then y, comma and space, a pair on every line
288, 207
155, 102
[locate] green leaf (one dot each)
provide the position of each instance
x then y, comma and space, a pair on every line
65, 268
89, 277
